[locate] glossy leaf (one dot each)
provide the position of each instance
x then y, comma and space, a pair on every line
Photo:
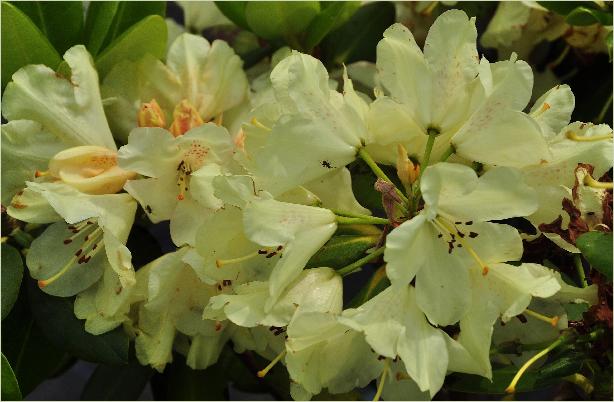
332, 15
234, 11
23, 43
98, 21
575, 310
376, 284
117, 383
596, 247
148, 36
357, 39
56, 318
12, 273
129, 13
29, 352
562, 7
341, 251
60, 21
588, 16
10, 387
280, 19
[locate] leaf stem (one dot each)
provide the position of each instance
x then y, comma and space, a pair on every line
577, 260
367, 220
348, 269
364, 155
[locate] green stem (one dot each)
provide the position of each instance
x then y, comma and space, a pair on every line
580, 268
448, 153
350, 214
367, 220
424, 163
364, 155
348, 269
604, 110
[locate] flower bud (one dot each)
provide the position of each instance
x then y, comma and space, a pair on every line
90, 169
185, 118
406, 170
150, 115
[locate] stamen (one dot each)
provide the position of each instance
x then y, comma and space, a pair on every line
589, 181
265, 370
380, 386
267, 251
544, 107
256, 123
80, 257
550, 320
450, 229
40, 173
512, 387
575, 137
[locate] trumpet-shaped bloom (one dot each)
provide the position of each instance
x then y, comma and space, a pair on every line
317, 289
208, 76
64, 134
324, 353
310, 116
174, 301
553, 181
474, 106
504, 293
439, 246
70, 256
394, 326
179, 172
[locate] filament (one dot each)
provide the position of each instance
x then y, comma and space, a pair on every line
273, 362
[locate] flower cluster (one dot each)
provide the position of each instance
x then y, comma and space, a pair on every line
254, 183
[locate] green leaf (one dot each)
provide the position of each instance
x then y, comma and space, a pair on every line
23, 43
117, 383
377, 283
562, 7
148, 36
30, 354
357, 39
10, 387
280, 19
587, 16
333, 14
60, 21
98, 21
12, 272
56, 318
596, 247
340, 251
129, 13
575, 310
234, 11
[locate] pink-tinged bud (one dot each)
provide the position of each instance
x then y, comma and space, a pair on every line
185, 118
90, 169
151, 115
